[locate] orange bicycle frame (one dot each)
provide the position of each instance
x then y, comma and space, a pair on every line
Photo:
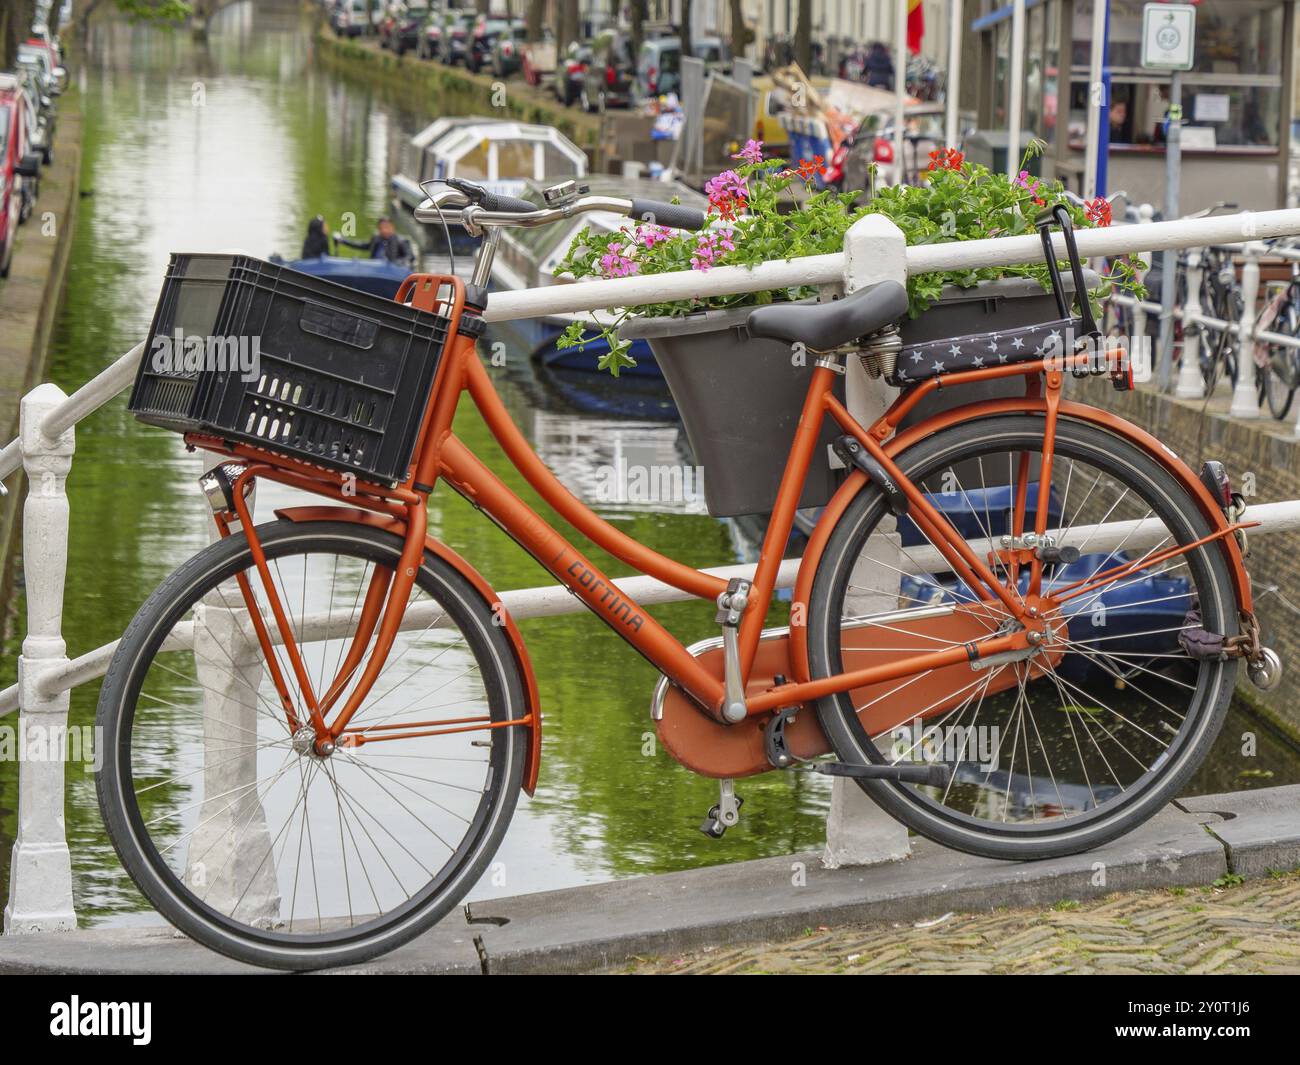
440, 454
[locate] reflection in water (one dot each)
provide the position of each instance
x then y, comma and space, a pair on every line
237, 143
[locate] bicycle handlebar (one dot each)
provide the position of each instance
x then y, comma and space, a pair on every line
451, 204
672, 215
494, 202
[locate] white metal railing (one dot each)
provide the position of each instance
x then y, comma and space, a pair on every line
40, 896
1190, 384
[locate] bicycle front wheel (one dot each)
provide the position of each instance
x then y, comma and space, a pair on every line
221, 809
1083, 739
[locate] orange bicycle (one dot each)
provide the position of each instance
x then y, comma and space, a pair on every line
1017, 624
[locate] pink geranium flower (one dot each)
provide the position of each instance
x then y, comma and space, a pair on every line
727, 185
649, 236
710, 247
615, 264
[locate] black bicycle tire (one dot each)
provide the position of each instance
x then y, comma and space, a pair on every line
464, 604
849, 739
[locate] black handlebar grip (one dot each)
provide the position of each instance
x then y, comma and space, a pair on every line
493, 202
672, 215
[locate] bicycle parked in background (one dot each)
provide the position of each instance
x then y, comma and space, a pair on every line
1220, 298
1281, 371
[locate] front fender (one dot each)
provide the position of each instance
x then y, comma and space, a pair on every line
442, 551
1081, 412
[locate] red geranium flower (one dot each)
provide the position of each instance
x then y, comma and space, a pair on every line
1097, 211
946, 159
728, 206
808, 169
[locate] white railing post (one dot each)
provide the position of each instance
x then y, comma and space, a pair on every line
40, 874
858, 832
226, 858
1191, 382
1245, 400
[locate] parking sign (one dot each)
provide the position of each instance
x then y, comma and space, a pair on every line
1168, 36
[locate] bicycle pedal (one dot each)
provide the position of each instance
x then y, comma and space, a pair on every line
723, 814
713, 828
936, 774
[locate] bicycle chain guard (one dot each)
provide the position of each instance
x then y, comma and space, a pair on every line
712, 749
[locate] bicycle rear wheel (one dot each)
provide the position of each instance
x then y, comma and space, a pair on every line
222, 811
1096, 730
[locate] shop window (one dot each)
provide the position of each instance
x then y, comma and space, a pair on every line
1242, 116
1233, 94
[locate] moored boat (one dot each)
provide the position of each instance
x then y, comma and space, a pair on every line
499, 154
379, 277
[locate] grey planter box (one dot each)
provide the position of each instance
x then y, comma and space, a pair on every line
740, 401
740, 398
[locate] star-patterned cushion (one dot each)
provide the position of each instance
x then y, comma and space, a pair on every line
918, 362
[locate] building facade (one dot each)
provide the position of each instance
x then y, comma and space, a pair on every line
838, 24
1238, 99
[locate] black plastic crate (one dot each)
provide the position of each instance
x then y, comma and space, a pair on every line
342, 377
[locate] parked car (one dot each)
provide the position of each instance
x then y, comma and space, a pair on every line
19, 170
49, 58
38, 135
659, 65
351, 18
454, 43
610, 74
402, 26
873, 142
53, 77
46, 114
41, 32
571, 73
539, 59
508, 50
715, 52
483, 39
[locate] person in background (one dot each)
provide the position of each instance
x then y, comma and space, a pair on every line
1120, 132
317, 242
385, 244
880, 67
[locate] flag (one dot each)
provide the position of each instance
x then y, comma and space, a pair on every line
915, 25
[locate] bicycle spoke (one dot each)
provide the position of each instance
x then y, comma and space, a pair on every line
1067, 728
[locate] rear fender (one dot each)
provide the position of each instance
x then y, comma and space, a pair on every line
1079, 412
442, 551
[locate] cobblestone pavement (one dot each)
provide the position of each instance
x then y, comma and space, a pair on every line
1228, 928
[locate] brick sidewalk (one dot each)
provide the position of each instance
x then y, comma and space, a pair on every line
1235, 928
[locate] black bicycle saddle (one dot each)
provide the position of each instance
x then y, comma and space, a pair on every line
824, 326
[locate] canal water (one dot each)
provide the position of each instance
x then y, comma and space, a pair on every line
237, 142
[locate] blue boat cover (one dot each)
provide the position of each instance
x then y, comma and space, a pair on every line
376, 276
